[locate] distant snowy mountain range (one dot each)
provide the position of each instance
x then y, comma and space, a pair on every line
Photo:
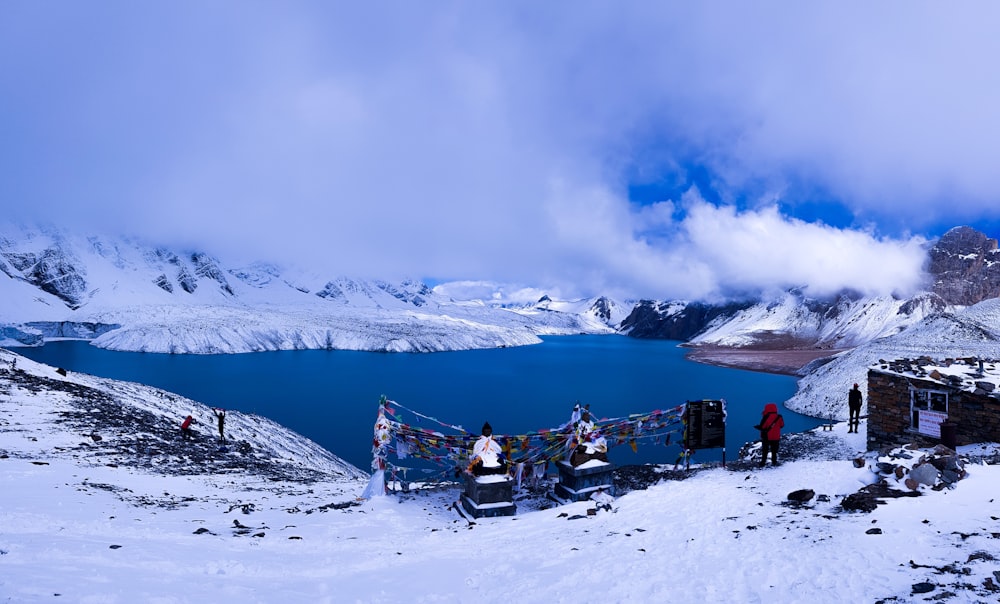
126, 295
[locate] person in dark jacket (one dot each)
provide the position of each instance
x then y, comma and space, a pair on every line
221, 414
854, 405
186, 427
770, 427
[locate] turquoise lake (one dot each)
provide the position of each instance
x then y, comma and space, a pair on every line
332, 396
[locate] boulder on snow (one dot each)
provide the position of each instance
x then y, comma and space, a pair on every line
861, 501
801, 495
925, 474
947, 462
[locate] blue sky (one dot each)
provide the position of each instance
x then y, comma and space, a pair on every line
648, 149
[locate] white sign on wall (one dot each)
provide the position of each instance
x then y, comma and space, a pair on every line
930, 422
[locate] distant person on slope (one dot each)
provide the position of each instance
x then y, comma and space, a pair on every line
854, 404
221, 414
770, 427
487, 456
186, 427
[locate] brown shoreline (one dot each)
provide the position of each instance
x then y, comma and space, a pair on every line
784, 362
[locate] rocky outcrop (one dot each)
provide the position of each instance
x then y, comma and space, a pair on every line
965, 266
674, 320
410, 292
206, 267
164, 283
602, 309
50, 271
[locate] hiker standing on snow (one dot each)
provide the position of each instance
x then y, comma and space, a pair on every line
221, 414
487, 456
770, 427
186, 427
854, 404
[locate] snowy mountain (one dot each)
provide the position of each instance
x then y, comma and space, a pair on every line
126, 295
963, 268
102, 501
969, 332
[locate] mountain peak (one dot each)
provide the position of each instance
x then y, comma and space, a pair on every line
965, 267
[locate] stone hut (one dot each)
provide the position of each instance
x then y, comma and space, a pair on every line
927, 401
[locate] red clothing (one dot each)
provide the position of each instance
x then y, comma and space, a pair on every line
187, 423
771, 423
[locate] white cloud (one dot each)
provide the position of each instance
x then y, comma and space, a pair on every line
425, 141
761, 249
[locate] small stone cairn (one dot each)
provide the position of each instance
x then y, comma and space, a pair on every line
906, 472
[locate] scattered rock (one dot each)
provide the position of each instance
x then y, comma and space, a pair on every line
925, 474
947, 462
874, 531
950, 477
923, 588
859, 502
801, 495
885, 467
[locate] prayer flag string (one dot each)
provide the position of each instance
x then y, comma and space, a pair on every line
394, 436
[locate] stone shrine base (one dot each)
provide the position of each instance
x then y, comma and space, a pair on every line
579, 483
488, 496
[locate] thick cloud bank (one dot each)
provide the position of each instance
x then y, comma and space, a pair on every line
502, 141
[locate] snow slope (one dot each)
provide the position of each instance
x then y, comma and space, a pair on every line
969, 332
792, 321
85, 520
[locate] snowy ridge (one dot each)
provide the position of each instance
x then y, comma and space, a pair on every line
791, 322
134, 421
971, 332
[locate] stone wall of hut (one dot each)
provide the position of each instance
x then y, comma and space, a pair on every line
976, 414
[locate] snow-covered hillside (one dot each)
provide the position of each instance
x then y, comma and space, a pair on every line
793, 322
970, 332
101, 501
130, 296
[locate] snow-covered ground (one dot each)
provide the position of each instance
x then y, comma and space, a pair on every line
138, 515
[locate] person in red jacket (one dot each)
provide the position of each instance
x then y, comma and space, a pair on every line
770, 427
186, 427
